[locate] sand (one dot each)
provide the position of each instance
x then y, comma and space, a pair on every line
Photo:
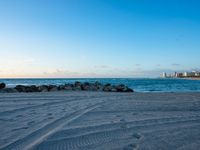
99, 120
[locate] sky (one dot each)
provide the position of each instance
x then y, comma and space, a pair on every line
98, 38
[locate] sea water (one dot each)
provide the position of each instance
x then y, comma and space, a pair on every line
138, 84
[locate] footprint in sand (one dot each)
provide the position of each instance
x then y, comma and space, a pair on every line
22, 128
49, 114
118, 116
122, 120
19, 116
134, 114
112, 121
30, 123
33, 112
7, 120
124, 125
131, 147
50, 118
137, 136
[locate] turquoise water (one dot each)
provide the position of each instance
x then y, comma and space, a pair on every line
139, 84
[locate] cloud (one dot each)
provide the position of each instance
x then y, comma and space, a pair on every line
102, 66
176, 64
158, 65
195, 69
137, 64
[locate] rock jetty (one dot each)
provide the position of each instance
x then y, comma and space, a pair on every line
77, 86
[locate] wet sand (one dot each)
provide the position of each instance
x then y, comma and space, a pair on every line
99, 120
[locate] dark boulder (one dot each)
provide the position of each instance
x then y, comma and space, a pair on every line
86, 83
43, 88
20, 88
85, 86
98, 86
107, 88
108, 84
113, 90
68, 86
52, 88
77, 88
33, 88
2, 85
61, 87
97, 83
77, 83
121, 88
93, 88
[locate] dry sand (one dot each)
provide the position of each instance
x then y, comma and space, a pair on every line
99, 120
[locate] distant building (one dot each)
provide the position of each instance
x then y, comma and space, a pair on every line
190, 74
182, 75
179, 75
186, 74
197, 74
175, 74
164, 75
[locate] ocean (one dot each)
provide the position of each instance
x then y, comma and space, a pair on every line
138, 84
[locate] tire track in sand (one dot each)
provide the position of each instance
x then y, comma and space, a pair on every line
37, 137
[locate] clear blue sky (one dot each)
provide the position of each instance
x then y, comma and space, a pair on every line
98, 38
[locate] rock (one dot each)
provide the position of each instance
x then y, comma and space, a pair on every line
61, 87
33, 88
43, 88
98, 86
87, 83
97, 83
8, 90
113, 90
2, 85
121, 88
52, 88
20, 88
77, 88
77, 84
129, 90
85, 86
28, 89
107, 88
68, 87
108, 84
94, 88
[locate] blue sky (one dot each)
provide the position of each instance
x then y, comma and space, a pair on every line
98, 38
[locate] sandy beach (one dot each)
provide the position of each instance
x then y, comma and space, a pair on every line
99, 120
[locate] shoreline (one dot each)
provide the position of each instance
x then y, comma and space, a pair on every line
188, 78
192, 78
139, 85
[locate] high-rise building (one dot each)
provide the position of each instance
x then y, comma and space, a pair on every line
164, 75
